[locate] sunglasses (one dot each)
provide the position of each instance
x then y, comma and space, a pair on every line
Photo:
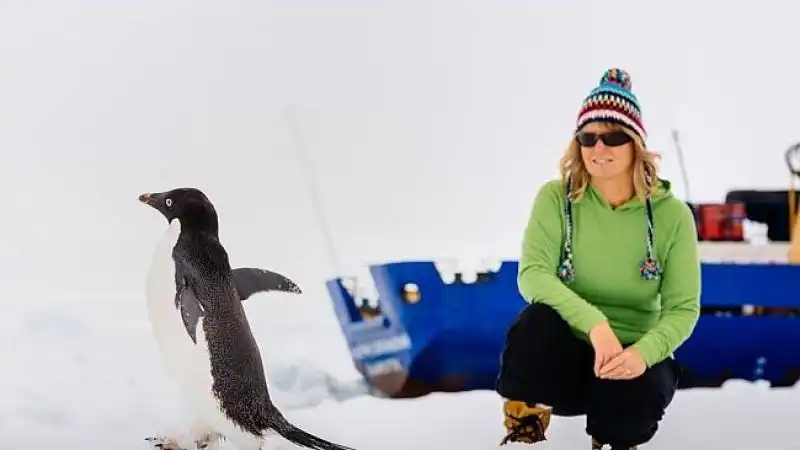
610, 139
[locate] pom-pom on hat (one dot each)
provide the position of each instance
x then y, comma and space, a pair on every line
613, 101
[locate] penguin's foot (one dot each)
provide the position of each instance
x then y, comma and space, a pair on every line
164, 443
203, 436
208, 441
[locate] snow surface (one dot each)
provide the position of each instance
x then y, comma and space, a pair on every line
399, 107
82, 368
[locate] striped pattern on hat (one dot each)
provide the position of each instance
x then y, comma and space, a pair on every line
613, 101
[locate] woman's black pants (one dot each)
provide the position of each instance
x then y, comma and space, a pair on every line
544, 362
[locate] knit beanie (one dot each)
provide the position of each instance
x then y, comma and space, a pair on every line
612, 101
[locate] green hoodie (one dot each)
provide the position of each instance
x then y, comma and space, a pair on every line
608, 245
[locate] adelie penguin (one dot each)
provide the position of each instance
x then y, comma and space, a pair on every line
194, 305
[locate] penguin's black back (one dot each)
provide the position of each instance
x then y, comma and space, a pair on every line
236, 365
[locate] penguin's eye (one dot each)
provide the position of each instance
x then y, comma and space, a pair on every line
168, 202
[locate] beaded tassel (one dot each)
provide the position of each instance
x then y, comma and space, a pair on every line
566, 271
649, 269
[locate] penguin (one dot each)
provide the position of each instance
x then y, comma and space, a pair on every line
194, 303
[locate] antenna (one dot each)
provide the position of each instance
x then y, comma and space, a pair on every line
792, 153
681, 164
305, 162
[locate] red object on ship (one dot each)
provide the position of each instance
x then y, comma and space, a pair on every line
720, 221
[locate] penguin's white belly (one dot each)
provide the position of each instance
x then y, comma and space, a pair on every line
187, 362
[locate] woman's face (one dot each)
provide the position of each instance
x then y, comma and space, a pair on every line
607, 159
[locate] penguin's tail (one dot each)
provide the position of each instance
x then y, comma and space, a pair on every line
289, 431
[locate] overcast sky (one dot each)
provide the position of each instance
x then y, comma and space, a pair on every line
429, 125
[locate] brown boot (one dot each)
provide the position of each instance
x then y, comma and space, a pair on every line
524, 423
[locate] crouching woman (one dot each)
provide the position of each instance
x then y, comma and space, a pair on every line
611, 271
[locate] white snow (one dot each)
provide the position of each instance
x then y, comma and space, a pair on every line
428, 127
83, 368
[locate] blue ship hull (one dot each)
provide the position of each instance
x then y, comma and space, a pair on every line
433, 336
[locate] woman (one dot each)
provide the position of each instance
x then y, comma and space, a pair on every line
611, 271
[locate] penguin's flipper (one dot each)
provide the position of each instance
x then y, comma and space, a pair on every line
190, 307
249, 280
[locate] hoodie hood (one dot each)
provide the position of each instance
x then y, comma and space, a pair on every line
662, 192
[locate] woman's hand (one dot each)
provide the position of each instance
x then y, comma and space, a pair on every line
627, 365
606, 345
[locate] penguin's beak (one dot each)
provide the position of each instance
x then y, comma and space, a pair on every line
147, 198
154, 199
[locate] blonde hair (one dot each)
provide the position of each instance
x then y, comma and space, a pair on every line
645, 166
